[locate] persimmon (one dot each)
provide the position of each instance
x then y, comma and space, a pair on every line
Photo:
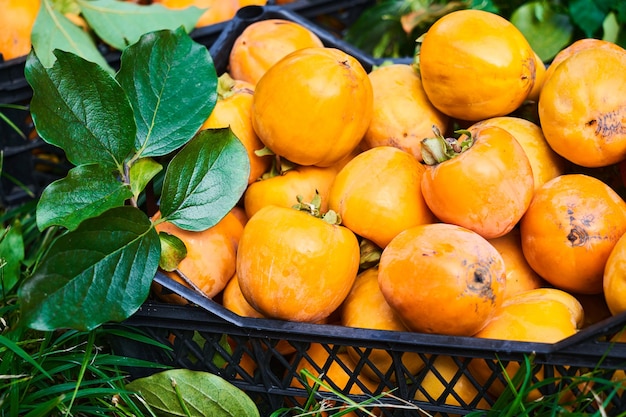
443, 373
313, 106
540, 76
264, 43
233, 109
233, 300
542, 315
283, 189
519, 275
403, 115
366, 307
378, 194
295, 266
595, 307
475, 65
217, 11
569, 230
613, 279
442, 278
581, 107
482, 181
17, 20
211, 257
545, 163
575, 47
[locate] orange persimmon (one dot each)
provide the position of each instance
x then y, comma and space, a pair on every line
403, 115
292, 265
442, 278
475, 65
378, 194
313, 106
264, 43
581, 107
569, 230
483, 181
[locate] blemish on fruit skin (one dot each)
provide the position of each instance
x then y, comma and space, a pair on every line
577, 236
609, 124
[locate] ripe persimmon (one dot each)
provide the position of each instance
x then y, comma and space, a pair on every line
614, 280
283, 189
482, 181
575, 47
366, 307
442, 278
217, 11
545, 163
313, 106
403, 115
17, 20
211, 257
542, 315
378, 194
264, 43
444, 372
569, 230
475, 65
233, 109
519, 275
294, 266
540, 76
233, 300
581, 107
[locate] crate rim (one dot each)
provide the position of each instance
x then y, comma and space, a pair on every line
582, 343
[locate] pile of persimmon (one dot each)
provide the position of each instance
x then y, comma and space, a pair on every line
414, 198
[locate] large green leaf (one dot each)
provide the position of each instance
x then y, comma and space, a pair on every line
202, 393
79, 107
52, 30
11, 256
87, 191
98, 273
546, 30
205, 180
121, 23
172, 85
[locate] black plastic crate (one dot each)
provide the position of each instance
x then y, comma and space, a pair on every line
205, 336
196, 335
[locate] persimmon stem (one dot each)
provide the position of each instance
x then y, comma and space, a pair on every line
314, 209
439, 148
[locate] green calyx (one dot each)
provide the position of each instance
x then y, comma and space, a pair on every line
439, 148
314, 209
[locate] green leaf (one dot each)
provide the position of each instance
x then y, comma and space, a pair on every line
87, 191
172, 85
587, 16
99, 273
201, 393
80, 108
141, 172
121, 23
205, 180
11, 256
173, 251
52, 30
546, 30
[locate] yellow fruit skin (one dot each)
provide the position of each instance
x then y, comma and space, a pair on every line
17, 18
475, 65
313, 106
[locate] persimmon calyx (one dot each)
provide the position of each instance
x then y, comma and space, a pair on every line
439, 148
314, 209
369, 254
226, 87
279, 165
